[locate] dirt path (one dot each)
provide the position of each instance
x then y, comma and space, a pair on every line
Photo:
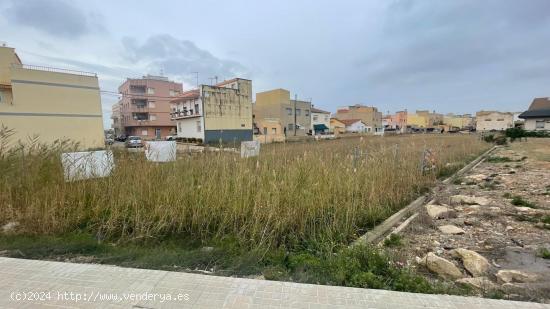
499, 213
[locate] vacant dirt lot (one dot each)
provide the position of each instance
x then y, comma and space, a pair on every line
490, 229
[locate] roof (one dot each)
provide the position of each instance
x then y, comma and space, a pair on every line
225, 82
538, 113
191, 94
349, 122
320, 111
485, 113
540, 107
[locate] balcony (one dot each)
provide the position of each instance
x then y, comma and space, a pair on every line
135, 89
184, 114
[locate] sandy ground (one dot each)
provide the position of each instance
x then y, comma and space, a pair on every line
510, 237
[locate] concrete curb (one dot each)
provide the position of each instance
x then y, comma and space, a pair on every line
379, 232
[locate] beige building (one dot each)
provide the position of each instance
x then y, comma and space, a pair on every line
494, 121
369, 115
268, 131
49, 104
294, 115
214, 113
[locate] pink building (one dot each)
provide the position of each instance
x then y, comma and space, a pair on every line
396, 121
144, 108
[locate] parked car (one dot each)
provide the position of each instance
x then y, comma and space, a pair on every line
121, 138
134, 141
109, 141
171, 137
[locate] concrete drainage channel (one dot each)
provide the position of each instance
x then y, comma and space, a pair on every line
384, 229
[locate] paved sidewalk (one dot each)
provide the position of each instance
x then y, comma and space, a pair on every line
65, 285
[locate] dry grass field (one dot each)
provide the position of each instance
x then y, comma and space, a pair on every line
328, 191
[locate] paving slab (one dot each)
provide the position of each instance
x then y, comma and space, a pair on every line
39, 284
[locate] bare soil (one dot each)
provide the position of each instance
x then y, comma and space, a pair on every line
510, 237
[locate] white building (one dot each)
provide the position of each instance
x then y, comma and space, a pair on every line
494, 121
320, 121
210, 114
537, 117
356, 126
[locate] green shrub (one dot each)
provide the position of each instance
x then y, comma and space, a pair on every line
544, 253
393, 241
519, 201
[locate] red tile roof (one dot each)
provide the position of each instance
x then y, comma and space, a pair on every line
191, 94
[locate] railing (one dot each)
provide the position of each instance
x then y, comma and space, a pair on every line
183, 114
55, 70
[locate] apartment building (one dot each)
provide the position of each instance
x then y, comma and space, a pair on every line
215, 113
369, 115
144, 107
424, 119
494, 121
48, 104
397, 121
294, 115
320, 121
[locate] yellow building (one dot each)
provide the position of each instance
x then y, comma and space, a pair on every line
49, 104
293, 115
458, 121
337, 127
417, 120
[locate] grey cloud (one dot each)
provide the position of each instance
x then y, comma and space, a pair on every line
56, 17
180, 58
435, 41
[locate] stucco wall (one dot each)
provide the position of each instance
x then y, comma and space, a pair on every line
188, 127
54, 106
530, 124
487, 121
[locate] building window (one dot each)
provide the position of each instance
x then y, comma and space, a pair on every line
289, 111
150, 90
265, 130
500, 119
273, 130
199, 126
307, 112
179, 127
315, 117
197, 109
174, 93
144, 132
1, 97
152, 117
488, 119
152, 104
539, 124
326, 118
298, 112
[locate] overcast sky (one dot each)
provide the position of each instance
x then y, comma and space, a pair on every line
450, 56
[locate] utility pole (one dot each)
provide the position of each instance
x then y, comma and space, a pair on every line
196, 78
295, 102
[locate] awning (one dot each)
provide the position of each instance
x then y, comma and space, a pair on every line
319, 127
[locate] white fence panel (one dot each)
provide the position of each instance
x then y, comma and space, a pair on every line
87, 164
161, 151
